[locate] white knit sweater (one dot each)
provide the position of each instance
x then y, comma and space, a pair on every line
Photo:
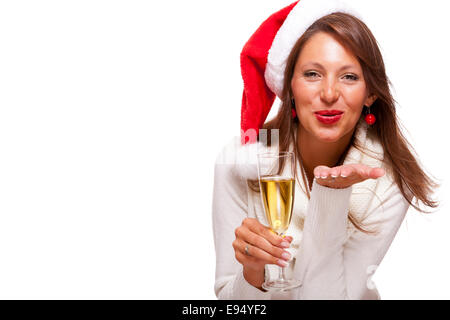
332, 259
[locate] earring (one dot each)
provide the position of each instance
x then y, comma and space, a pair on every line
370, 118
294, 114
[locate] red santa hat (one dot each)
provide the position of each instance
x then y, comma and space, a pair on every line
264, 56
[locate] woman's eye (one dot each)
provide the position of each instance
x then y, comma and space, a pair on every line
351, 77
311, 74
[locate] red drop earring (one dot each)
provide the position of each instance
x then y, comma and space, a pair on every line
370, 118
294, 113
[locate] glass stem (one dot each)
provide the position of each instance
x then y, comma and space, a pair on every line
281, 270
282, 274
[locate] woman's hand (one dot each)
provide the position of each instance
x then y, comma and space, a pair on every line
346, 175
255, 246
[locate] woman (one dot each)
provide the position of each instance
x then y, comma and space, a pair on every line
358, 175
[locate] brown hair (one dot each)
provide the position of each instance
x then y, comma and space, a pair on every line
353, 34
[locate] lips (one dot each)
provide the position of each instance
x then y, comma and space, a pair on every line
329, 116
329, 112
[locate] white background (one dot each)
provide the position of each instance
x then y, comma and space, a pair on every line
112, 114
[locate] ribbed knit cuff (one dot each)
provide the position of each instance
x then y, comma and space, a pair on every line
245, 291
327, 214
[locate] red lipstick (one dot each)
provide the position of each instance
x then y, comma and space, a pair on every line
329, 116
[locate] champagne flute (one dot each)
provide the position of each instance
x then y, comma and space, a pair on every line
277, 184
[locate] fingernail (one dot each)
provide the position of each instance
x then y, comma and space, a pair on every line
334, 176
324, 177
286, 256
343, 175
317, 177
285, 244
282, 263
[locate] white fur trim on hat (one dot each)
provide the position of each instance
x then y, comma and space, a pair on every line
301, 17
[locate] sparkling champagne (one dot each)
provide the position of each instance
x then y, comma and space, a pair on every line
278, 196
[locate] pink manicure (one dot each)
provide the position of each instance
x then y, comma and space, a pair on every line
286, 256
282, 263
285, 244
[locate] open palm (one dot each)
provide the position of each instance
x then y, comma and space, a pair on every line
346, 175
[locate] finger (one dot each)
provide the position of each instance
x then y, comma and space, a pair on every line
332, 174
257, 241
246, 236
354, 171
248, 261
261, 256
345, 172
321, 172
335, 172
256, 227
377, 173
365, 172
362, 172
254, 250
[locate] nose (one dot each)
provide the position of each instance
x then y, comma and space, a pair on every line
330, 92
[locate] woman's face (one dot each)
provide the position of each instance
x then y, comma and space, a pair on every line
328, 79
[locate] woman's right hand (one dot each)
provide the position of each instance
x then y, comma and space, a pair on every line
263, 247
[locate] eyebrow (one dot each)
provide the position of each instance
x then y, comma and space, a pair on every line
318, 65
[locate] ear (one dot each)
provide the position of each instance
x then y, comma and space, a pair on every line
370, 100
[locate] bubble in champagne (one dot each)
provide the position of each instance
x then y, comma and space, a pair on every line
277, 224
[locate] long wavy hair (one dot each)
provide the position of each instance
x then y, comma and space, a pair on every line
354, 35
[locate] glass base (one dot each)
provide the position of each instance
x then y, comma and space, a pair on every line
281, 285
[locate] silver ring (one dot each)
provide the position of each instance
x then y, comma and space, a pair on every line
246, 250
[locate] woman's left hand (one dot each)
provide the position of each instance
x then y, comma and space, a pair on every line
346, 175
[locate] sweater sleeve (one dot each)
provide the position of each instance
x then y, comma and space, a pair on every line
332, 265
229, 210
